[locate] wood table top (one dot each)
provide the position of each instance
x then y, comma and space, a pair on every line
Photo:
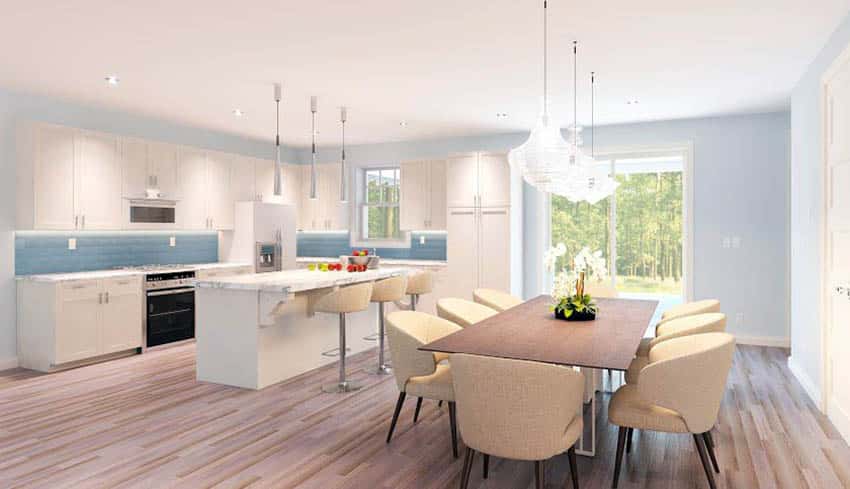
530, 331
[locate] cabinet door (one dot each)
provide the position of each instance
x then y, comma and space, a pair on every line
78, 321
291, 184
121, 315
53, 178
192, 207
242, 179
462, 252
220, 203
494, 181
308, 208
334, 213
99, 182
415, 185
494, 253
163, 160
462, 181
264, 180
437, 217
134, 162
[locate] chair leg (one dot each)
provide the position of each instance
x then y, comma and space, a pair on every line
709, 443
621, 444
629, 437
453, 423
467, 468
398, 405
486, 465
571, 453
539, 478
418, 407
705, 463
440, 404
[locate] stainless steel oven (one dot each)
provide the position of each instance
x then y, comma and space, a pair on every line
170, 307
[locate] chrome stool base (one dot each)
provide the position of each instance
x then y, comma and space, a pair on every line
381, 370
342, 387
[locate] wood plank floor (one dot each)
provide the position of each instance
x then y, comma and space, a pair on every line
146, 422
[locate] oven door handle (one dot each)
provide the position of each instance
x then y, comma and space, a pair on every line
158, 293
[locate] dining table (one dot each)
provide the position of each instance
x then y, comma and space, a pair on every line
530, 331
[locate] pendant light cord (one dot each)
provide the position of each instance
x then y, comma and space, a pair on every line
545, 62
575, 95
592, 115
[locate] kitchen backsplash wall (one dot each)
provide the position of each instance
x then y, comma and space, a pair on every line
47, 252
329, 245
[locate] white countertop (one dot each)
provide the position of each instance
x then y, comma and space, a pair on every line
397, 262
101, 274
292, 281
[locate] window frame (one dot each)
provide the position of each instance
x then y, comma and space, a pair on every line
360, 213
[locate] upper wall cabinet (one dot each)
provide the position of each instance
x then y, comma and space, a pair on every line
423, 195
67, 179
478, 180
205, 189
149, 165
264, 182
325, 212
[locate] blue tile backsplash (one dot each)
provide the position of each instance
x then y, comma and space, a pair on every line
329, 245
47, 252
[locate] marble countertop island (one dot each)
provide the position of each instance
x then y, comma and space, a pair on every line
294, 281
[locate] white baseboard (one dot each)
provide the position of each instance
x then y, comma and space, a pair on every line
840, 418
811, 388
7, 363
771, 341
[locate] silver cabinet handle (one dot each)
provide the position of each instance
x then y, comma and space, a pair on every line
843, 291
83, 222
106, 297
212, 223
76, 221
100, 298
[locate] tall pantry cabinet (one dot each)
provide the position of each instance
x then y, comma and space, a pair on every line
484, 224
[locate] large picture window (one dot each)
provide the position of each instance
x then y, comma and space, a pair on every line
380, 205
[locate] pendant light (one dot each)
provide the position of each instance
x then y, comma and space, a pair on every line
313, 108
343, 198
278, 185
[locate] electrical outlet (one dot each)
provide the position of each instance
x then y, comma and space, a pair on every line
739, 319
736, 242
422, 240
172, 241
727, 242
72, 243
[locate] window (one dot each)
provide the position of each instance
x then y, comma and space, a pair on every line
380, 204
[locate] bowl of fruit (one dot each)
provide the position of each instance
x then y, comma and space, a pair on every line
359, 257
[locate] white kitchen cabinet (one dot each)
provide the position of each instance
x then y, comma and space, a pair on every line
98, 182
325, 212
220, 201
423, 195
192, 175
134, 159
148, 165
64, 323
462, 249
162, 169
50, 191
264, 182
478, 179
242, 178
494, 250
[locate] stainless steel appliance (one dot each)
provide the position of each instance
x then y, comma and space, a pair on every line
267, 256
151, 213
170, 306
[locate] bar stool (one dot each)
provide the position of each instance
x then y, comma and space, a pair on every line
344, 300
421, 282
383, 291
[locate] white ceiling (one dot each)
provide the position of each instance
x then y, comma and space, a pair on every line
445, 67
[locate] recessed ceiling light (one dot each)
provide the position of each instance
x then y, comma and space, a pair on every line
238, 113
632, 102
403, 123
501, 115
112, 80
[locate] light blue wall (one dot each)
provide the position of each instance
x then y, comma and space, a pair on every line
741, 179
807, 204
15, 107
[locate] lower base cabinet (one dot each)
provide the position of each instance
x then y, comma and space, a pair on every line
61, 323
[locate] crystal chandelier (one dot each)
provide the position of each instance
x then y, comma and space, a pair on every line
554, 165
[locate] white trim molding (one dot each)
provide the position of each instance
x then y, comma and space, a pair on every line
811, 388
8, 363
769, 341
839, 418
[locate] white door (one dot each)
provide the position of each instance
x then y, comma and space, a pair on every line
494, 180
220, 203
121, 317
192, 176
837, 242
494, 249
134, 159
462, 181
78, 321
163, 160
437, 201
99, 182
243, 180
415, 187
53, 178
462, 252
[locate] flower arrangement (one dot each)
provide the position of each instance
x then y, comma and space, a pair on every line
568, 289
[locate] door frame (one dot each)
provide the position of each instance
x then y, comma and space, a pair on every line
687, 151
842, 424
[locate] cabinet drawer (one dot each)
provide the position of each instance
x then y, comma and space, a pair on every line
80, 289
123, 286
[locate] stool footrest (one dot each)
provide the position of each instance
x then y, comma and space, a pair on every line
334, 352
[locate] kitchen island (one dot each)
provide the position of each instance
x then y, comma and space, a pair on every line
256, 330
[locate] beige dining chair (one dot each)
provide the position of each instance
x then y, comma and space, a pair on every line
342, 301
679, 391
419, 373
419, 283
517, 410
713, 322
386, 290
463, 312
689, 309
495, 299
